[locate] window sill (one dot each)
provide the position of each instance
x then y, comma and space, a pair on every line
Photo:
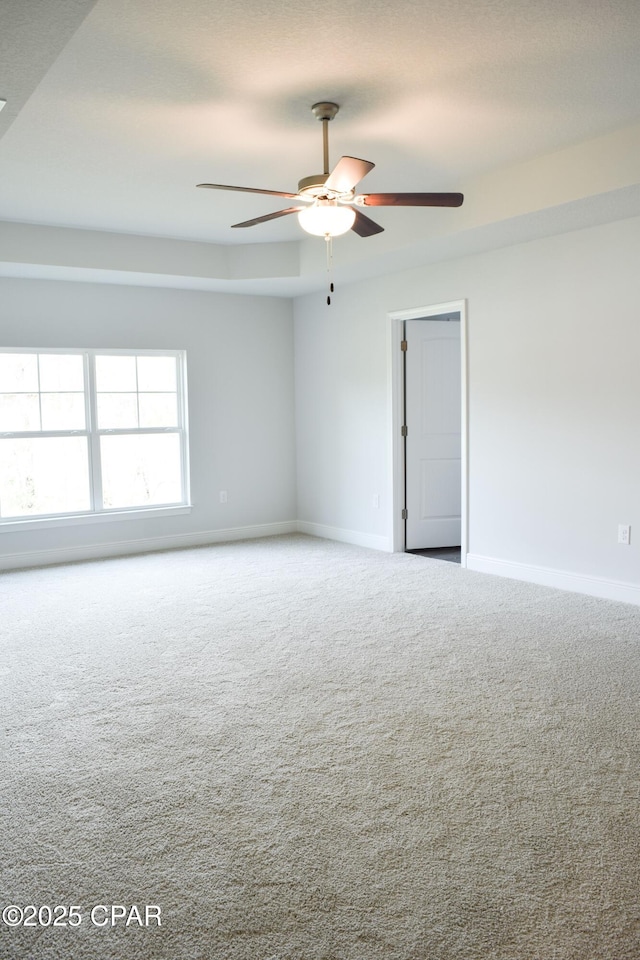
72, 520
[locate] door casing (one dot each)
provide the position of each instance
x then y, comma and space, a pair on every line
396, 408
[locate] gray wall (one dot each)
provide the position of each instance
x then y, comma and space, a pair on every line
554, 402
239, 370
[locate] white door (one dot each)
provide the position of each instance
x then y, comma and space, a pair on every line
433, 442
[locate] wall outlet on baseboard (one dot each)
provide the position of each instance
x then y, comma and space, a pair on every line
624, 533
375, 501
223, 496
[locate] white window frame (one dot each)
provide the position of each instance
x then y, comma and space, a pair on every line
97, 512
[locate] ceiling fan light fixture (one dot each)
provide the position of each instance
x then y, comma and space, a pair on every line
331, 195
326, 218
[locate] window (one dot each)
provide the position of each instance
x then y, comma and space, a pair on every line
88, 433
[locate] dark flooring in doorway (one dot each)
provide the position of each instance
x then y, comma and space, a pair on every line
452, 554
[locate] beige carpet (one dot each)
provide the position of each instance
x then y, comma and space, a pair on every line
303, 750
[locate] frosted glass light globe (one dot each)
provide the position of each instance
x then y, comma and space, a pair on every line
327, 219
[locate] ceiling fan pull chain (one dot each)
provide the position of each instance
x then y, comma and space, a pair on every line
329, 241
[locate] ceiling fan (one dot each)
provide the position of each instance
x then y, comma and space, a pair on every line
330, 204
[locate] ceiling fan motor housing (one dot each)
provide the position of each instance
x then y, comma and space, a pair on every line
313, 186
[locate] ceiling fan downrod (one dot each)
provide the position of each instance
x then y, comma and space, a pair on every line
325, 111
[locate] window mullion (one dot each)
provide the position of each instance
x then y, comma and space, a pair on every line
181, 388
137, 395
95, 465
39, 390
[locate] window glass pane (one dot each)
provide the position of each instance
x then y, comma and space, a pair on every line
115, 373
139, 470
157, 373
42, 392
117, 411
19, 412
43, 475
158, 410
64, 372
18, 371
62, 411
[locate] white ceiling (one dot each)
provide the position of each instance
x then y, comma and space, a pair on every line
117, 108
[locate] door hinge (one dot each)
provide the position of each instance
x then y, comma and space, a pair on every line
403, 346
404, 514
403, 430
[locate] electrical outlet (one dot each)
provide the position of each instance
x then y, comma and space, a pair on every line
375, 501
223, 496
624, 533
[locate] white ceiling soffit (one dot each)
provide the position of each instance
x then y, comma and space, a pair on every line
117, 108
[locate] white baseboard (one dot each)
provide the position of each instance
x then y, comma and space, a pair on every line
561, 579
97, 551
546, 576
370, 540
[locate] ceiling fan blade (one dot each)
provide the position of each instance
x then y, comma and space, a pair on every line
225, 186
412, 199
364, 226
347, 172
268, 216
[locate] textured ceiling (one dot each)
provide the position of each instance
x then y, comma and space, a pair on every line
117, 108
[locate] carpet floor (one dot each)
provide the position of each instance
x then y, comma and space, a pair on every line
293, 749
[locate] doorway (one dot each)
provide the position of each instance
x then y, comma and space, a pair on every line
429, 424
